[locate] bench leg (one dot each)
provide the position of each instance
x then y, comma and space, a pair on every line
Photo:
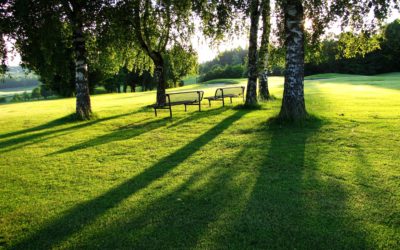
170, 112
223, 102
185, 108
231, 99
209, 103
155, 111
199, 106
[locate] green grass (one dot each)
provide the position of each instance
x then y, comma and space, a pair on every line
220, 178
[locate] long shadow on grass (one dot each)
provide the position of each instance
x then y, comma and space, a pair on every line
51, 124
132, 130
214, 193
29, 139
292, 206
85, 213
177, 219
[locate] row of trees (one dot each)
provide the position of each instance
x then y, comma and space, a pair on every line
91, 38
361, 53
354, 53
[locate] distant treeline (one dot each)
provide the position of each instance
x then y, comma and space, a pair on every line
16, 77
364, 54
11, 83
348, 53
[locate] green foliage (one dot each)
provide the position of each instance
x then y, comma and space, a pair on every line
357, 53
46, 91
3, 100
180, 62
229, 57
351, 45
36, 93
25, 96
17, 98
228, 71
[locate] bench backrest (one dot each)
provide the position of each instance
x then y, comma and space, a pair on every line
227, 91
185, 96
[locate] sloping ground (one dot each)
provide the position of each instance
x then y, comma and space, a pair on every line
220, 178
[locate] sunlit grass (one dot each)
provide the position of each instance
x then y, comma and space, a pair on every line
220, 178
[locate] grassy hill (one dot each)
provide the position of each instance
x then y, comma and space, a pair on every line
220, 178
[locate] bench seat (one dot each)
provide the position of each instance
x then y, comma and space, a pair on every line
185, 98
227, 92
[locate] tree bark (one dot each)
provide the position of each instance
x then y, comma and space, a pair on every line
293, 106
159, 75
83, 105
251, 94
263, 53
133, 86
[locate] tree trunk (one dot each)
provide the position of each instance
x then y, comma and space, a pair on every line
133, 86
251, 94
293, 106
263, 54
83, 106
159, 77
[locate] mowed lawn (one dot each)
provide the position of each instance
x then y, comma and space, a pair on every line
223, 178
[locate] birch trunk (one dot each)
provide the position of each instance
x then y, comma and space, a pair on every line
293, 106
251, 93
83, 106
263, 54
159, 75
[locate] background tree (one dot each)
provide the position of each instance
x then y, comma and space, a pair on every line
153, 26
263, 51
51, 38
3, 32
320, 13
251, 91
180, 62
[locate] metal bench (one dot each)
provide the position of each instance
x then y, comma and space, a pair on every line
227, 92
181, 98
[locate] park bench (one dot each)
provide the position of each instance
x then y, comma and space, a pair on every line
227, 92
185, 98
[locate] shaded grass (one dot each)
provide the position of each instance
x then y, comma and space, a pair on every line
221, 178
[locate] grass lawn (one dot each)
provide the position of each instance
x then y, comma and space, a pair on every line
220, 178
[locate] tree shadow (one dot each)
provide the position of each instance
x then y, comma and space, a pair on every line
376, 197
51, 124
132, 130
198, 115
291, 205
121, 134
277, 201
30, 139
176, 219
76, 218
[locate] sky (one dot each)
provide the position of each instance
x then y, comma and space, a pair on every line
205, 49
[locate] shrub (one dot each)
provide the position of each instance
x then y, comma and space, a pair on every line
16, 98
228, 71
26, 96
3, 100
45, 91
36, 93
